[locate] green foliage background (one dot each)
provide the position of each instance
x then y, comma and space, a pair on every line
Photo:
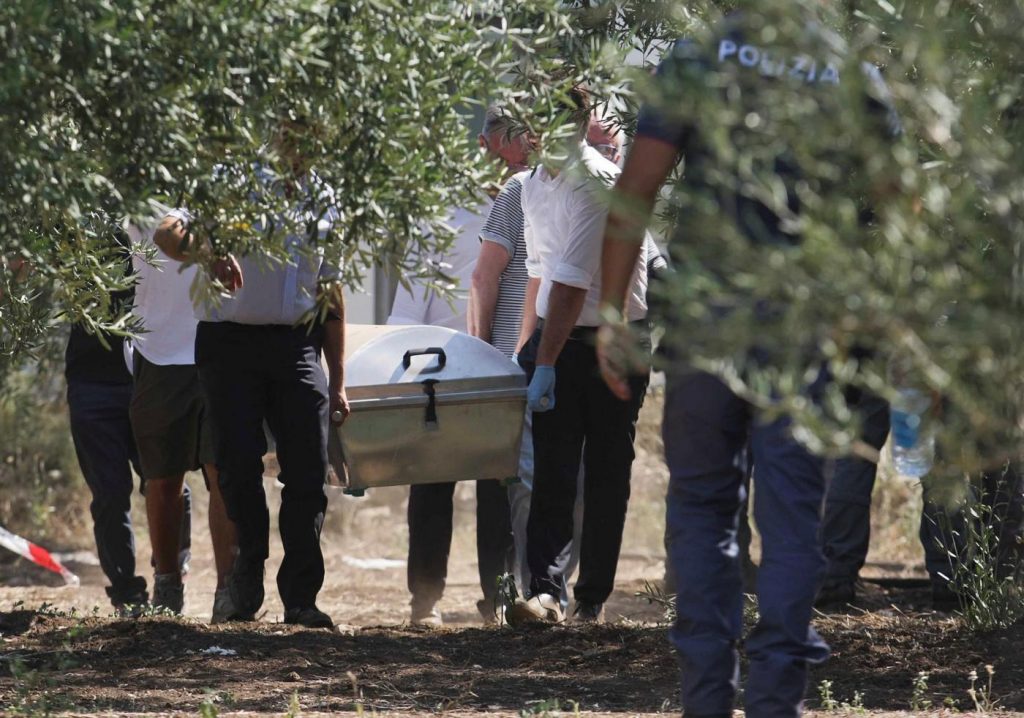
932, 285
111, 106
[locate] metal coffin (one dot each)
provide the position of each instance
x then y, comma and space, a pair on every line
429, 405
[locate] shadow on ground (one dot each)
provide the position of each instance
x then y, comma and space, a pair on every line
161, 664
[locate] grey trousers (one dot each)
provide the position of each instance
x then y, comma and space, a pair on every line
519, 494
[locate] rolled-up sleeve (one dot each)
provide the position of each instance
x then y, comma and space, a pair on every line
580, 259
656, 262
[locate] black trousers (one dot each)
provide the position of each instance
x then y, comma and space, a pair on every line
106, 452
998, 498
588, 421
430, 538
252, 373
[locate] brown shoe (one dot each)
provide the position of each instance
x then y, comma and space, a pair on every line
491, 611
542, 608
426, 615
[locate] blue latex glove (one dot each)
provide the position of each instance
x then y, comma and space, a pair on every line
906, 428
540, 395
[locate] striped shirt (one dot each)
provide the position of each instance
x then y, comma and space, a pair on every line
504, 227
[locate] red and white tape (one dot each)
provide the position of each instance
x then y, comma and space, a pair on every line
36, 554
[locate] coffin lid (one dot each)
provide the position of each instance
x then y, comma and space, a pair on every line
374, 357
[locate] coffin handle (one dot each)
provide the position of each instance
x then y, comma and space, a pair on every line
431, 417
442, 359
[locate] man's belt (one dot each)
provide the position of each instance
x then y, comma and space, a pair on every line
588, 334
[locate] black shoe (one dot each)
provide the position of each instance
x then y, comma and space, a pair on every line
245, 586
944, 598
131, 592
310, 617
836, 595
587, 612
130, 597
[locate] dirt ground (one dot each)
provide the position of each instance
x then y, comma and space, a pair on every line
61, 650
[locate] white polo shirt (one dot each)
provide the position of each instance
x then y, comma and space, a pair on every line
163, 303
422, 305
278, 293
563, 222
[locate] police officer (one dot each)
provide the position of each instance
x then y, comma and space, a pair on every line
706, 425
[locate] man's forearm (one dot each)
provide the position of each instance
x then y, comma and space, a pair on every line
623, 240
484, 287
650, 161
483, 297
334, 340
529, 323
564, 306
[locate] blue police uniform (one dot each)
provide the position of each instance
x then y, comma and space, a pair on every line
706, 426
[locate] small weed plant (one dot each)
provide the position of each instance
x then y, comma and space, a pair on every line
294, 706
919, 700
207, 709
34, 685
656, 596
33, 692
506, 596
981, 695
829, 702
551, 708
986, 574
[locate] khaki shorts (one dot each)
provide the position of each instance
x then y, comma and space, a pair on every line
171, 427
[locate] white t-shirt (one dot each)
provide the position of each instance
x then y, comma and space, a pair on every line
278, 293
163, 303
563, 223
424, 306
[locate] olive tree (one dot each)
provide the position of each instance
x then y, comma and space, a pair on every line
910, 268
911, 246
116, 109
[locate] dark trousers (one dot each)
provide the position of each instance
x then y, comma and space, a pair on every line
106, 452
846, 528
846, 525
744, 535
706, 429
951, 532
430, 538
252, 373
588, 421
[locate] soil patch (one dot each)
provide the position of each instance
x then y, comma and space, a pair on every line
155, 665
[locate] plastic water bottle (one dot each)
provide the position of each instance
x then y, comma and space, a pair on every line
913, 441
